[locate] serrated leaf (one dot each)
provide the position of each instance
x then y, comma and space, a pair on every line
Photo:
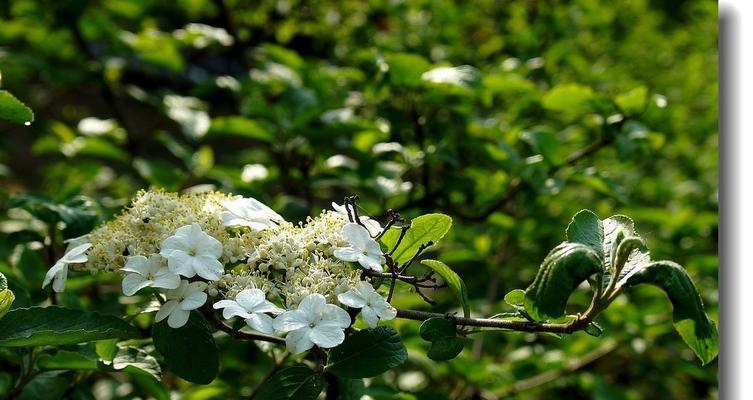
453, 281
434, 328
423, 229
515, 297
616, 227
239, 127
189, 351
586, 228
13, 110
47, 326
690, 319
296, 382
445, 348
566, 266
367, 353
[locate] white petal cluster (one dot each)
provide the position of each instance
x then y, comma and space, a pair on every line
253, 307
361, 248
314, 322
180, 302
58, 274
373, 306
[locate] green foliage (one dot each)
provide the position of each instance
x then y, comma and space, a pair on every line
13, 110
453, 281
296, 382
445, 345
189, 351
367, 353
47, 326
6, 296
423, 230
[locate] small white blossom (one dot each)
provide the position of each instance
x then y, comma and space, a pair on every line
180, 302
373, 306
74, 254
371, 224
314, 322
252, 306
363, 248
145, 272
249, 212
191, 251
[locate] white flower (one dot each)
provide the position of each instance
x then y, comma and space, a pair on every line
362, 248
371, 224
249, 212
74, 254
251, 305
373, 306
192, 251
180, 302
148, 272
314, 322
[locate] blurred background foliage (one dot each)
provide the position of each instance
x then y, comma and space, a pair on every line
508, 115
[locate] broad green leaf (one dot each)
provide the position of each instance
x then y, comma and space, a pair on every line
586, 228
47, 326
68, 359
405, 69
423, 229
515, 297
616, 228
240, 127
47, 385
6, 296
367, 353
545, 143
132, 359
445, 348
13, 110
690, 320
569, 98
189, 351
594, 329
629, 252
106, 349
296, 382
634, 101
566, 266
453, 281
434, 328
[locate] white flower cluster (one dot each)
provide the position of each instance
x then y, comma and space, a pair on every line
243, 257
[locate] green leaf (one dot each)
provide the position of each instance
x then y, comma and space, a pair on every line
189, 351
405, 69
586, 228
453, 281
616, 228
296, 382
445, 348
545, 143
240, 127
66, 359
46, 326
107, 349
351, 389
367, 353
132, 359
515, 297
13, 110
46, 385
634, 101
434, 328
423, 229
566, 266
690, 320
569, 97
6, 296
594, 329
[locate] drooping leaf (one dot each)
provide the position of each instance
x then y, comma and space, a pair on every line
189, 351
453, 281
13, 110
445, 348
616, 228
435, 328
367, 353
690, 319
45, 326
586, 228
423, 229
296, 382
566, 266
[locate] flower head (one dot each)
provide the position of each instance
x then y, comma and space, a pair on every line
191, 251
74, 254
371, 224
363, 248
247, 211
180, 302
314, 322
252, 306
373, 306
145, 272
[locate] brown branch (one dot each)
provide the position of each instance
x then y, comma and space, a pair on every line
580, 323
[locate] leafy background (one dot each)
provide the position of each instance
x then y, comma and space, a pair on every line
552, 107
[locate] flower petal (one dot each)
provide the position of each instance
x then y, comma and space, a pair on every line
290, 321
165, 310
53, 272
250, 298
137, 264
179, 262
178, 318
327, 335
382, 308
336, 315
58, 284
261, 322
193, 301
369, 316
165, 279
231, 309
352, 298
208, 268
134, 282
347, 254
313, 305
357, 236
76, 254
298, 340
267, 307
